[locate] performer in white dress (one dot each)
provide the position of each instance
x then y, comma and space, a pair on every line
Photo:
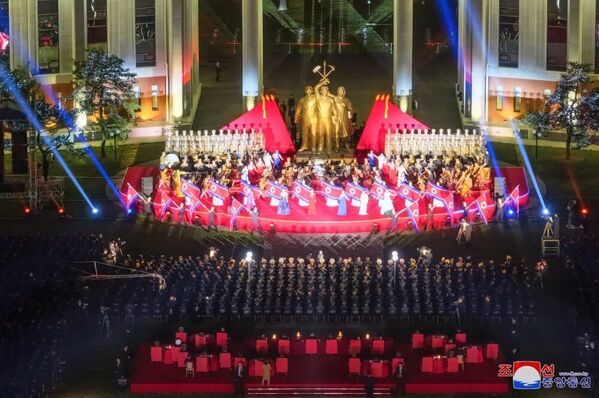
363, 204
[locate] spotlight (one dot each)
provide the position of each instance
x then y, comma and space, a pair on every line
585, 212
212, 252
27, 210
248, 256
95, 210
510, 212
545, 212
394, 256
61, 210
129, 211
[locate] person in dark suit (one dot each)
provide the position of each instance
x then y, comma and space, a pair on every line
369, 386
239, 377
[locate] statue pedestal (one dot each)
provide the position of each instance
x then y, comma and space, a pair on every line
320, 157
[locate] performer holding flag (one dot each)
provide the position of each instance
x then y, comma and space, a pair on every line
234, 210
130, 196
302, 192
219, 192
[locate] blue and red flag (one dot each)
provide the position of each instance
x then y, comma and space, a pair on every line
130, 196
378, 190
442, 194
514, 198
162, 201
275, 190
302, 191
414, 213
249, 189
236, 207
354, 191
483, 202
331, 191
192, 192
408, 192
218, 190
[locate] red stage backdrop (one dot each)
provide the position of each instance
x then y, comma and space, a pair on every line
266, 116
384, 115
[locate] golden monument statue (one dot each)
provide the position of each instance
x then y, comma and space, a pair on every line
306, 115
325, 118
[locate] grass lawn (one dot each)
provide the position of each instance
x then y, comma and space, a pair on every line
559, 175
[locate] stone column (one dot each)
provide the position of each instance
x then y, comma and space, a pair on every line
478, 16
403, 32
252, 49
574, 31
174, 27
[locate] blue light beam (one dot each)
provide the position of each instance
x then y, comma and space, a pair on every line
528, 166
86, 147
24, 105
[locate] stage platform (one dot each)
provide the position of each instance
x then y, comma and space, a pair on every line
317, 374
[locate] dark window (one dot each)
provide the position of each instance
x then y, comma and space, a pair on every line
517, 99
509, 32
97, 32
137, 95
145, 33
47, 32
557, 35
4, 32
154, 98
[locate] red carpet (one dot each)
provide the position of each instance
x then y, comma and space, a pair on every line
315, 371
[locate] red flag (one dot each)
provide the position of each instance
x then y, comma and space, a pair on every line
162, 201
484, 203
514, 197
408, 192
218, 190
331, 191
130, 196
249, 189
378, 190
275, 190
235, 209
444, 195
192, 192
414, 213
302, 191
353, 191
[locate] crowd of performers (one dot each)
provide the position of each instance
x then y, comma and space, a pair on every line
190, 143
415, 185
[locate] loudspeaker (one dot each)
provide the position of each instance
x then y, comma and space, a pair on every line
20, 165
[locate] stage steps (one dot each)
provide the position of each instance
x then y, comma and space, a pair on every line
301, 392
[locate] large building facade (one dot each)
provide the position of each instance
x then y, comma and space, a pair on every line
157, 39
512, 52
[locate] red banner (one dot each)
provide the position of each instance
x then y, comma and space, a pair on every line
218, 190
302, 191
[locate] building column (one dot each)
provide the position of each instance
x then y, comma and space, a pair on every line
587, 41
477, 11
403, 32
252, 49
574, 31
174, 28
191, 59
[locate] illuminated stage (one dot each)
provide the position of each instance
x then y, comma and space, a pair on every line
310, 209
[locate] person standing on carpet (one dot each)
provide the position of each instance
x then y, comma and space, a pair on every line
266, 374
283, 209
239, 376
369, 386
342, 209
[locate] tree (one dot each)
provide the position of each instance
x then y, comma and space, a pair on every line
104, 90
57, 124
573, 107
